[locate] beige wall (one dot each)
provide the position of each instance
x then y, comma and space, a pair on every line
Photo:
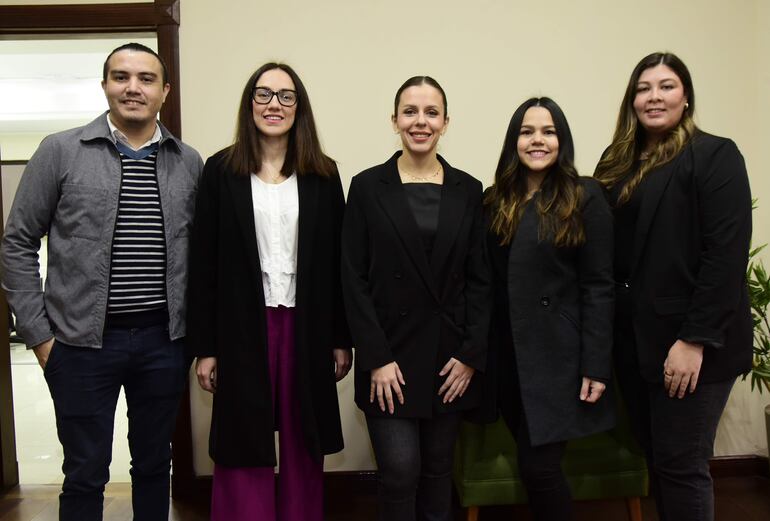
10, 182
56, 2
489, 56
741, 430
758, 102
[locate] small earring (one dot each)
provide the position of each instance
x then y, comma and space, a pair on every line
686, 105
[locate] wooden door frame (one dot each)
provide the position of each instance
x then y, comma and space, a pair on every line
9, 467
162, 18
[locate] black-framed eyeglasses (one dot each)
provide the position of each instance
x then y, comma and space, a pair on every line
263, 96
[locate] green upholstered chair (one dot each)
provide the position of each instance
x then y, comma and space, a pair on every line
602, 466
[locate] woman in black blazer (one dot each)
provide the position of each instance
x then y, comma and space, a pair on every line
550, 247
266, 320
415, 286
683, 331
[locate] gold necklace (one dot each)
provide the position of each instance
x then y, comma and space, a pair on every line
418, 178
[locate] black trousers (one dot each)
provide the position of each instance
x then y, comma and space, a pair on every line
85, 384
541, 472
414, 461
676, 435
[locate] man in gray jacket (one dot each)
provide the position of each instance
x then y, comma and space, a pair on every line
115, 199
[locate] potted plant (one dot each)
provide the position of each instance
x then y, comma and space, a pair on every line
759, 298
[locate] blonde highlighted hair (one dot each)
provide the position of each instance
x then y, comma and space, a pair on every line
627, 142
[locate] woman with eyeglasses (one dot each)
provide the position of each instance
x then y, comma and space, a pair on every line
415, 285
265, 319
683, 329
550, 248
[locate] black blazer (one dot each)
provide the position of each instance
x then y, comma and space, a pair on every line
552, 323
688, 276
405, 307
226, 315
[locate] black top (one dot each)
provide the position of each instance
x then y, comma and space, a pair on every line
626, 216
424, 200
689, 257
406, 307
552, 309
226, 315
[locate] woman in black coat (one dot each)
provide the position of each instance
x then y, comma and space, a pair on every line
415, 286
550, 247
266, 320
683, 331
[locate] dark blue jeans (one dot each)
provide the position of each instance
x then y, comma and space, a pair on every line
414, 461
676, 435
682, 442
85, 384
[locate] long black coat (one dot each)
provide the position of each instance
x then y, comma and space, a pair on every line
405, 307
226, 315
552, 323
688, 275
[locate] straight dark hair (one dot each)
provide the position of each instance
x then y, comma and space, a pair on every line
415, 81
627, 142
558, 206
133, 46
303, 155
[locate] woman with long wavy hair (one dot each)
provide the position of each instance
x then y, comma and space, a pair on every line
683, 329
265, 315
550, 247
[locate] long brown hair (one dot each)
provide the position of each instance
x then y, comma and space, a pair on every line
558, 206
626, 147
303, 155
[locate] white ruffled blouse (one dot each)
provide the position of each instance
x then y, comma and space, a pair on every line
276, 215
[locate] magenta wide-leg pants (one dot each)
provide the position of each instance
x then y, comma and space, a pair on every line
248, 493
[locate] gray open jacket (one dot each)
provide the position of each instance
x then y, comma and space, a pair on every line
70, 191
